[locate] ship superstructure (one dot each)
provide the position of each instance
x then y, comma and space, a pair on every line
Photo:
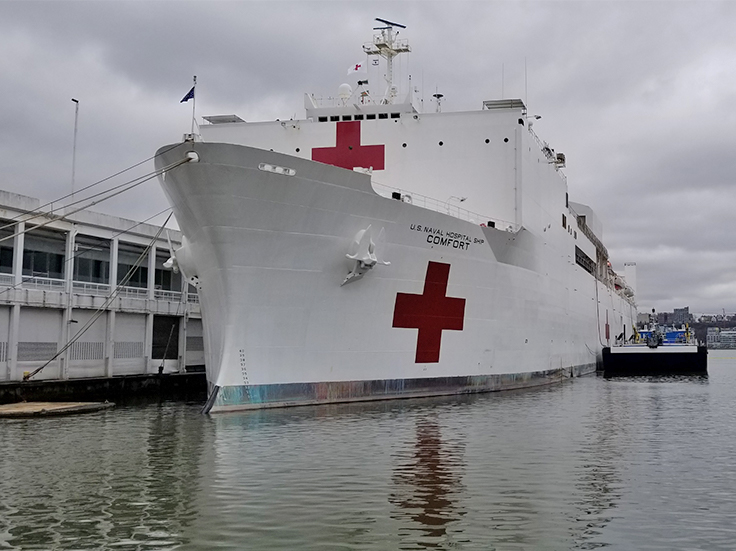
371, 250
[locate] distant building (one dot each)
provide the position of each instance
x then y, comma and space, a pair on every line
728, 338
720, 338
681, 316
713, 337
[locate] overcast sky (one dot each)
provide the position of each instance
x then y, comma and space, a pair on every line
640, 96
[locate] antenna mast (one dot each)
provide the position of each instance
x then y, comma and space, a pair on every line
387, 46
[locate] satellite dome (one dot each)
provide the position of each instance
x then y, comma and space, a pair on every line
345, 91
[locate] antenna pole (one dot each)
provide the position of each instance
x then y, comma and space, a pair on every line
74, 147
502, 80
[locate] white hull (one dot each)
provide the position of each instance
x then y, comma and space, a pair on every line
269, 251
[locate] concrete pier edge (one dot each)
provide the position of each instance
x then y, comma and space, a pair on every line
119, 389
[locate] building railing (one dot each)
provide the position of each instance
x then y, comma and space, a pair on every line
88, 288
171, 296
95, 289
43, 283
133, 292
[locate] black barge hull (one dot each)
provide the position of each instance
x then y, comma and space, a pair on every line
660, 361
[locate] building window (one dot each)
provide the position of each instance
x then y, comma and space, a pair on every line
6, 260
139, 277
43, 264
564, 221
91, 270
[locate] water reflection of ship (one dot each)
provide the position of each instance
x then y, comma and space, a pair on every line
428, 483
599, 484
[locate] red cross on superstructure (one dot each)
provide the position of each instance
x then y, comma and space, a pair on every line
348, 153
431, 312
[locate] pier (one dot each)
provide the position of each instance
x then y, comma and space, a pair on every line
86, 303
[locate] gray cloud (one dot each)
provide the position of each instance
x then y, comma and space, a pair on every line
639, 95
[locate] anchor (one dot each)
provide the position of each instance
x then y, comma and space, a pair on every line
366, 253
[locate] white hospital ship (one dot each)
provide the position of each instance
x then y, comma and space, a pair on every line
373, 251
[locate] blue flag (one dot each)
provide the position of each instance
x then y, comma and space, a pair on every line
190, 95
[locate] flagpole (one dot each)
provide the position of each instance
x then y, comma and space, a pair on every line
194, 102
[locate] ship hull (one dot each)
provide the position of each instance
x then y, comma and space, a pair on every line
461, 308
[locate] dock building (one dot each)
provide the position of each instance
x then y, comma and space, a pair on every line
87, 295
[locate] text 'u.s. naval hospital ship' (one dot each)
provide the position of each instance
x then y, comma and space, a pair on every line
336, 262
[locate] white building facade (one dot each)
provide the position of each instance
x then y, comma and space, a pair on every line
87, 295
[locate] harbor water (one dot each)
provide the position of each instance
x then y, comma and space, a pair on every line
591, 463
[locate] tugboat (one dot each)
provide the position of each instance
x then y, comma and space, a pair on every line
656, 351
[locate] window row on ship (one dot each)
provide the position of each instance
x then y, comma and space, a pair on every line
358, 117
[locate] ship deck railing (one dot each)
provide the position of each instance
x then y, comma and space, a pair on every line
544, 147
445, 207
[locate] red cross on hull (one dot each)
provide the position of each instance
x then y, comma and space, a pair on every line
348, 153
431, 312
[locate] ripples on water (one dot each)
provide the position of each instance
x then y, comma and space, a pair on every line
623, 464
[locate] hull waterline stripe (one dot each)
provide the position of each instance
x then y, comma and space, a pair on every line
229, 398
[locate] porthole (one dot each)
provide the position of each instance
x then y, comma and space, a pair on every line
297, 150
442, 143
505, 140
488, 141
403, 145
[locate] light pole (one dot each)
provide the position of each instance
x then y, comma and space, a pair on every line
458, 199
74, 149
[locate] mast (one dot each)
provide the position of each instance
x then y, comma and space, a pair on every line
387, 46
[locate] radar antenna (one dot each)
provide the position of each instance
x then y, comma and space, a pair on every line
387, 46
388, 24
